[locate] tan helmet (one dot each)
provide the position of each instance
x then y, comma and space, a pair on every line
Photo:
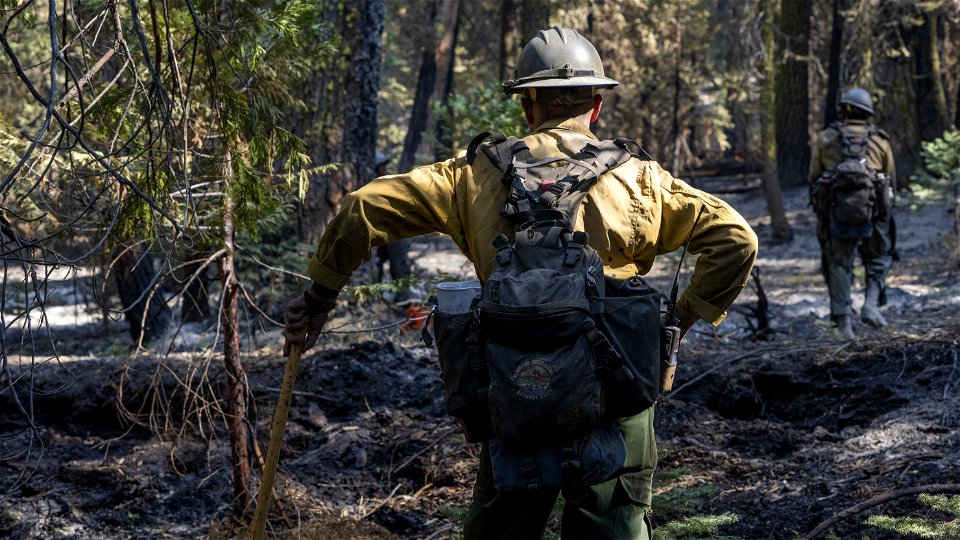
558, 58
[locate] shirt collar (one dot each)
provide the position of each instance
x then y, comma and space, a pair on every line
568, 124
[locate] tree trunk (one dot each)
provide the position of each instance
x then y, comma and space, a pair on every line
236, 395
833, 79
675, 132
520, 20
419, 114
509, 47
434, 78
196, 296
534, 16
931, 95
146, 311
768, 131
956, 111
446, 59
792, 93
897, 114
340, 124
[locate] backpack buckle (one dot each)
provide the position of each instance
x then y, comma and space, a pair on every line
569, 458
504, 254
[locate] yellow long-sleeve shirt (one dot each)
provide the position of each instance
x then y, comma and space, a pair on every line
634, 213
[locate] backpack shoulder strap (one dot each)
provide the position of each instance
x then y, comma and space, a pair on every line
500, 150
853, 145
602, 156
475, 143
639, 153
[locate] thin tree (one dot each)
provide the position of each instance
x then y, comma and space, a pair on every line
931, 92
768, 135
446, 60
509, 38
340, 126
676, 133
436, 58
792, 93
174, 156
833, 77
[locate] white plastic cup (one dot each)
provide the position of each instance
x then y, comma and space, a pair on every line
456, 296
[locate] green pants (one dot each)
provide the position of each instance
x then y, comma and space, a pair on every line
837, 258
615, 510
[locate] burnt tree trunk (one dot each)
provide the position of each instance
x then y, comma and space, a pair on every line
520, 20
435, 70
145, 309
419, 114
340, 124
956, 111
833, 77
675, 132
931, 94
792, 93
509, 39
196, 296
534, 16
897, 112
236, 391
768, 130
446, 59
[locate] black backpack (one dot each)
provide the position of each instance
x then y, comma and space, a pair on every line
554, 352
857, 194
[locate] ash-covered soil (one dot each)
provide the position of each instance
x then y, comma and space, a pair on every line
786, 432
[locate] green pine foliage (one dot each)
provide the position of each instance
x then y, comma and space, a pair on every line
481, 108
926, 528
246, 62
940, 174
695, 527
683, 500
676, 503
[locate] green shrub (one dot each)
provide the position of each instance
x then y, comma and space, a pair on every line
482, 108
940, 174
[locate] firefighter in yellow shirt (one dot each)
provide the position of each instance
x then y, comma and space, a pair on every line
854, 139
633, 213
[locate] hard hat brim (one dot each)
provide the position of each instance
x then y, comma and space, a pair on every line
861, 106
574, 82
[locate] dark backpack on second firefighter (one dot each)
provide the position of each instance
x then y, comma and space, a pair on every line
554, 353
852, 194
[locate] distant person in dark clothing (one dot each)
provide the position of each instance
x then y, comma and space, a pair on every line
852, 175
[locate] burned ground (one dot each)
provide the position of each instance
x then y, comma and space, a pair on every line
789, 431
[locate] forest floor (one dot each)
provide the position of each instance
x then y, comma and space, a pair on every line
786, 432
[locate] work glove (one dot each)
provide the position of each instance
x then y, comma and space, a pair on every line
305, 316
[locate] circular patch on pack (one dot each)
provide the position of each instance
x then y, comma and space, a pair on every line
532, 379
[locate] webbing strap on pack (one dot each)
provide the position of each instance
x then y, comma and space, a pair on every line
854, 145
540, 190
497, 138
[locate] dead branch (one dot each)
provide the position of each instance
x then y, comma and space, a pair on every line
737, 358
759, 330
880, 499
440, 437
380, 505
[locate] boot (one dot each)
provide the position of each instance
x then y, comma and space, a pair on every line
870, 313
845, 326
